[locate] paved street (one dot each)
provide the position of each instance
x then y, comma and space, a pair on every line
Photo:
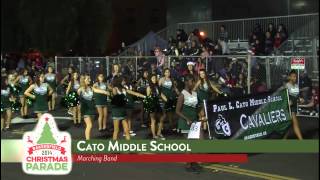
260, 166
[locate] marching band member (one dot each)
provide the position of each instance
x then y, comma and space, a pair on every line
169, 92
187, 110
293, 90
119, 101
86, 93
51, 79
101, 101
72, 89
202, 87
41, 93
6, 112
152, 106
23, 81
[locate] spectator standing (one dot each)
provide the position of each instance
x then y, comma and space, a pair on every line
277, 41
223, 35
258, 48
258, 32
271, 29
200, 65
160, 59
305, 85
283, 32
268, 44
21, 64
224, 47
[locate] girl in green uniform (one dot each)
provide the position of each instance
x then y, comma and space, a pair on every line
293, 90
73, 87
187, 110
65, 82
130, 104
153, 108
169, 94
203, 87
6, 113
51, 79
24, 81
41, 93
86, 93
101, 101
119, 101
66, 79
14, 88
141, 87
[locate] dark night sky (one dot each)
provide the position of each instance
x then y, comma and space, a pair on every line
97, 27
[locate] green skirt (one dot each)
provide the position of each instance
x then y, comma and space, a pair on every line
23, 89
118, 113
203, 95
53, 86
5, 102
40, 103
87, 108
100, 99
189, 112
170, 105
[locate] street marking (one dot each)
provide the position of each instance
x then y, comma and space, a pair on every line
247, 172
18, 120
216, 170
62, 117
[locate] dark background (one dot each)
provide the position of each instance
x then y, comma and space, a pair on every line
97, 27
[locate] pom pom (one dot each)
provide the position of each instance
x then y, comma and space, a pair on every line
63, 102
147, 104
15, 89
72, 99
2, 109
15, 106
119, 100
30, 101
151, 104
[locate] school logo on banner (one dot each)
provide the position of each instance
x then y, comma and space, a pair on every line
47, 151
222, 126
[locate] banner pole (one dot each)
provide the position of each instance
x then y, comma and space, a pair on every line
136, 71
205, 110
299, 89
55, 63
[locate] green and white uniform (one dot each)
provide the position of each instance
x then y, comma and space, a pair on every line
203, 93
73, 91
51, 80
101, 99
167, 90
293, 91
189, 110
41, 102
5, 99
87, 106
119, 112
76, 86
24, 84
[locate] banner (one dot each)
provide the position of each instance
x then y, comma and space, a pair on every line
255, 116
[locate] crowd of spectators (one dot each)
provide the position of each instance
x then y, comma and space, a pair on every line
266, 42
229, 73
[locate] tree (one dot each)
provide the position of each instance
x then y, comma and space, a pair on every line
46, 136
